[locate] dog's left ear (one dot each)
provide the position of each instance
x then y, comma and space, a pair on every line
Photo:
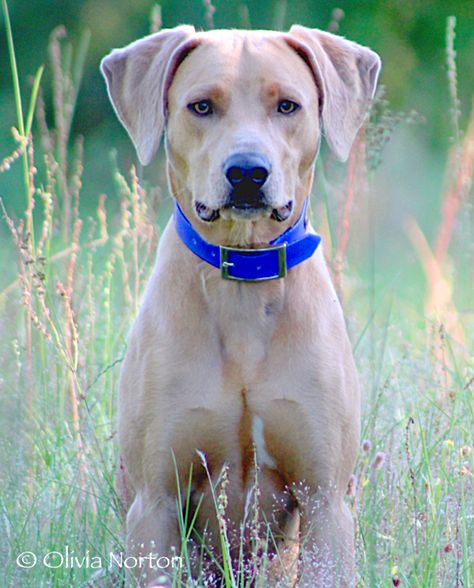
138, 78
346, 74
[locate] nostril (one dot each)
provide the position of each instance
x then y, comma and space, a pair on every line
235, 175
256, 175
247, 169
259, 175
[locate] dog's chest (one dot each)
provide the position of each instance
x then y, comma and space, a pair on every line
244, 316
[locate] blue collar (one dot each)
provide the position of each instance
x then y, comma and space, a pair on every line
291, 248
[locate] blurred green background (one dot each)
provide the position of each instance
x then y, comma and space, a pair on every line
410, 36
416, 367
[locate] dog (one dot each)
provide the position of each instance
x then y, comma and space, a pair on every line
239, 356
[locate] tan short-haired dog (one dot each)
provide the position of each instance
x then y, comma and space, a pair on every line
240, 347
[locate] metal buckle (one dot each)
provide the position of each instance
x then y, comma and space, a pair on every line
226, 264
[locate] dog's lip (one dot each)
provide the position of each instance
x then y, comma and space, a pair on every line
246, 207
245, 211
206, 213
283, 212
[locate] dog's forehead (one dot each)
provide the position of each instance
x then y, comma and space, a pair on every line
256, 57
237, 40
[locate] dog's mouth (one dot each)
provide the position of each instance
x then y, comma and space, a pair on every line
282, 213
251, 207
205, 213
243, 211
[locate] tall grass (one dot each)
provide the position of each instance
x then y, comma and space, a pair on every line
63, 325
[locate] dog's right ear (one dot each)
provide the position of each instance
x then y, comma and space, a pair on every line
136, 78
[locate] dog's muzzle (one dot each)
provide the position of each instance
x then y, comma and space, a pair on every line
246, 175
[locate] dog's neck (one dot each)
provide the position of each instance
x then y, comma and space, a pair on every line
244, 317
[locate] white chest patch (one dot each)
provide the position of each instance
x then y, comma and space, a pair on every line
263, 457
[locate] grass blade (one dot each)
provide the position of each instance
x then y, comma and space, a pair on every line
34, 96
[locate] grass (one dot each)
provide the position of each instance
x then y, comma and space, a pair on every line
63, 324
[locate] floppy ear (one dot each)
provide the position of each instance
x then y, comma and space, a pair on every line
346, 74
136, 82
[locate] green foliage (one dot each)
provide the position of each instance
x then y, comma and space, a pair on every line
408, 35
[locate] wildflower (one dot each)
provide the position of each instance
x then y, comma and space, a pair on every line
336, 16
396, 581
366, 445
379, 460
449, 443
352, 486
465, 451
448, 548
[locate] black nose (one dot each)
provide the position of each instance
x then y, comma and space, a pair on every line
253, 168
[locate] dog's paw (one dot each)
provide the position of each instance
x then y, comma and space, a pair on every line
161, 582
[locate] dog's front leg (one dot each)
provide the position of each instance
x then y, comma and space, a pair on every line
151, 535
327, 542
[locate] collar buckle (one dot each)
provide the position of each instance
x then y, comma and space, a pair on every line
226, 265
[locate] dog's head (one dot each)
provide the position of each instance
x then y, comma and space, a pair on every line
243, 113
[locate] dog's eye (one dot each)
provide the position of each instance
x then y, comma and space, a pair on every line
287, 107
201, 108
